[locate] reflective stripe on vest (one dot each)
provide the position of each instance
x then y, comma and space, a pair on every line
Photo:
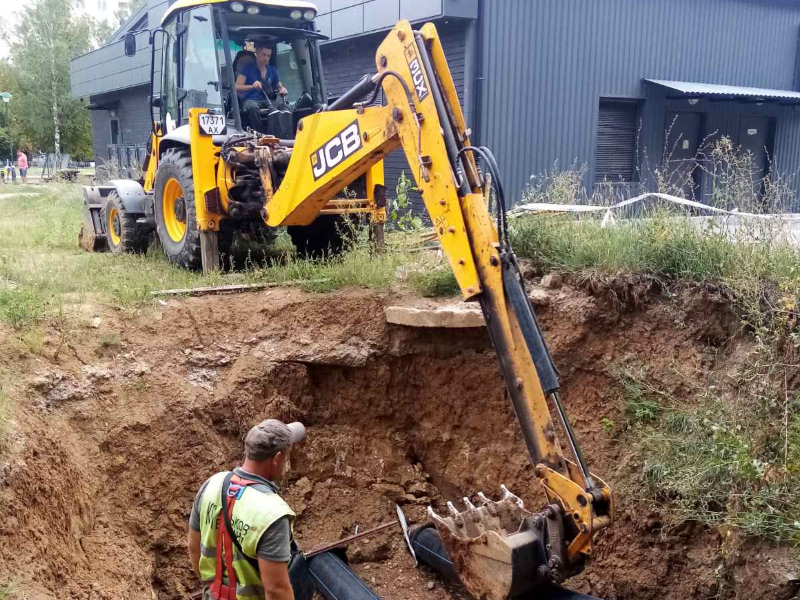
253, 514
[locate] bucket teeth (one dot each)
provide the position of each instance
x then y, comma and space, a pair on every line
503, 516
509, 496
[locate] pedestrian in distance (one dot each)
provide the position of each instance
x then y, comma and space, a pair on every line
240, 530
22, 163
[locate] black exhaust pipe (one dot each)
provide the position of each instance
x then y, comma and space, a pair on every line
429, 550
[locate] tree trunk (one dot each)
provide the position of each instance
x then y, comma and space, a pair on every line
56, 123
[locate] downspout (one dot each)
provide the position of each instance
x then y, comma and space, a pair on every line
796, 78
473, 76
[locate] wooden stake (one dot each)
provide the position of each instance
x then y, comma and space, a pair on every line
232, 289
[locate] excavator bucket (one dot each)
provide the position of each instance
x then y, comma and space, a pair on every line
499, 549
92, 237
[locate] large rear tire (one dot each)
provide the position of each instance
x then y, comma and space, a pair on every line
123, 233
176, 219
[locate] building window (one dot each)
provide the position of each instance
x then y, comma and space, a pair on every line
616, 141
114, 131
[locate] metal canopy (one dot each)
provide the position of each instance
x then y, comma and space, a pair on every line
103, 106
692, 89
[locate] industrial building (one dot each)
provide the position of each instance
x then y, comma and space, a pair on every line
608, 84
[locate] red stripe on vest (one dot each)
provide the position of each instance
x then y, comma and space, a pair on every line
219, 590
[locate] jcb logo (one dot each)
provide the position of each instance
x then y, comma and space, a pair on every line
416, 74
334, 151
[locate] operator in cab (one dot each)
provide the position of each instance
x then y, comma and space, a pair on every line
259, 81
240, 529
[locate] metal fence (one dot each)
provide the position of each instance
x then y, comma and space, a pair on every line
129, 158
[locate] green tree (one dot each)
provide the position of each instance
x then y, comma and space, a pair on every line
9, 132
126, 9
47, 35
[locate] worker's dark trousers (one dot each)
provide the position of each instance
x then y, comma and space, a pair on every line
251, 108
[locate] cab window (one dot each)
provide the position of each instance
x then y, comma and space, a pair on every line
200, 73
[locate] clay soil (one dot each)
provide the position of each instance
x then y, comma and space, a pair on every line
121, 417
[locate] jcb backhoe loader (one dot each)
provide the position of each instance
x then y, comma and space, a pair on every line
197, 55
199, 171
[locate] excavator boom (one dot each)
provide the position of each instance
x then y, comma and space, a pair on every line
499, 547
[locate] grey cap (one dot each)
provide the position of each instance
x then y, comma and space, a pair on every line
270, 437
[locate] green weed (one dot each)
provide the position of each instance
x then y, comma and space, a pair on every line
401, 215
110, 340
608, 425
718, 462
5, 591
641, 403
20, 308
434, 283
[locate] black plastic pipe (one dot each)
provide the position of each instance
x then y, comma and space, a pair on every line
430, 550
336, 581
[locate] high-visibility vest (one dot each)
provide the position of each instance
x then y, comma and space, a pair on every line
253, 513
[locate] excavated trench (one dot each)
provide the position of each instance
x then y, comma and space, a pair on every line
111, 440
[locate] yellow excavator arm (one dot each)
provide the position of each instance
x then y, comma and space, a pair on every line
499, 547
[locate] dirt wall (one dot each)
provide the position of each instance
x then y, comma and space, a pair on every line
113, 436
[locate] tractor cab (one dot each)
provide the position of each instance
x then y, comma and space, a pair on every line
205, 46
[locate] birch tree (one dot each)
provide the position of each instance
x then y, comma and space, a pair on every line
47, 35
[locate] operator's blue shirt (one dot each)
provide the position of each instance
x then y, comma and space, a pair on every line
252, 74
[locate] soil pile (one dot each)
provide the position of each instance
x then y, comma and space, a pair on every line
120, 420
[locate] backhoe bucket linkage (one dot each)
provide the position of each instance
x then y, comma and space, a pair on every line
499, 549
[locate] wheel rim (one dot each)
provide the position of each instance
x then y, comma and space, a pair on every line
173, 209
113, 227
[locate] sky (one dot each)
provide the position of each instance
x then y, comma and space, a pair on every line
11, 12
10, 16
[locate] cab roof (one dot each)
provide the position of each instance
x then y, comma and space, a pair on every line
287, 4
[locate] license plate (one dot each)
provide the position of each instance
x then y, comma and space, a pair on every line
213, 124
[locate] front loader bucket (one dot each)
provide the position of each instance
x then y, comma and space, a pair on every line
499, 549
92, 236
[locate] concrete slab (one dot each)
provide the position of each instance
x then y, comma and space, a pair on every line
457, 316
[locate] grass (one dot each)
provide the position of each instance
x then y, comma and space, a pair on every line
664, 243
5, 590
358, 267
41, 265
42, 269
718, 460
436, 282
722, 452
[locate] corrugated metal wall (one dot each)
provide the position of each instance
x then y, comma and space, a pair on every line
132, 113
345, 62
545, 65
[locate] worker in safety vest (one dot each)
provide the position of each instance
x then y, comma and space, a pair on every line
251, 564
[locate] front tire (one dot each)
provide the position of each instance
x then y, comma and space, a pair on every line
123, 233
176, 218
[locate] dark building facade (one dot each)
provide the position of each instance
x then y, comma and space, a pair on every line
605, 84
